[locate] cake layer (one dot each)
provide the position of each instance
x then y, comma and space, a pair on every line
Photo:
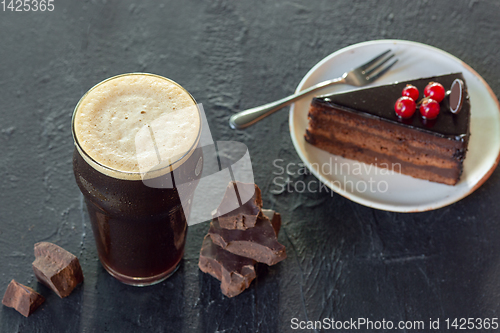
321, 117
447, 176
388, 145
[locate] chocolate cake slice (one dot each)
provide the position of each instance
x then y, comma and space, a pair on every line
362, 125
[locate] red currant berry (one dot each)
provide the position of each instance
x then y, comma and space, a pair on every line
411, 91
405, 107
429, 109
435, 91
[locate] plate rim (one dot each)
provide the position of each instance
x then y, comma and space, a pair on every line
366, 202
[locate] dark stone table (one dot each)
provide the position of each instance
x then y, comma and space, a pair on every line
344, 260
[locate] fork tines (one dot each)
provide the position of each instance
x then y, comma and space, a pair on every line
374, 68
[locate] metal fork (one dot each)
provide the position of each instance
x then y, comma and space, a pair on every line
358, 77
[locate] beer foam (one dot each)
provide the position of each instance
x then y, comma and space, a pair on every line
110, 116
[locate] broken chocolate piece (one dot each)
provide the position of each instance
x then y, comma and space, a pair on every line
57, 268
22, 298
259, 243
275, 219
240, 206
235, 272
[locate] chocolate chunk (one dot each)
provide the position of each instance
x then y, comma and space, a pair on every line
240, 206
259, 243
57, 268
22, 298
235, 272
275, 219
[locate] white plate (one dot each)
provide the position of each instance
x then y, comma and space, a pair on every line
396, 192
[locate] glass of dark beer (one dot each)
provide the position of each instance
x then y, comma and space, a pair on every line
139, 229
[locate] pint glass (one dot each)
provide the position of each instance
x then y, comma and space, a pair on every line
139, 230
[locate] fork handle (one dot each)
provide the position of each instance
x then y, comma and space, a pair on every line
249, 117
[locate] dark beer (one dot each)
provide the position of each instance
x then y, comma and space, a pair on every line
140, 231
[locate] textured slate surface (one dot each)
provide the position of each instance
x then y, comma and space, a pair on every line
345, 260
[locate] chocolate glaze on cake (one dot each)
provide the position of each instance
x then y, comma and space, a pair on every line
379, 104
362, 125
